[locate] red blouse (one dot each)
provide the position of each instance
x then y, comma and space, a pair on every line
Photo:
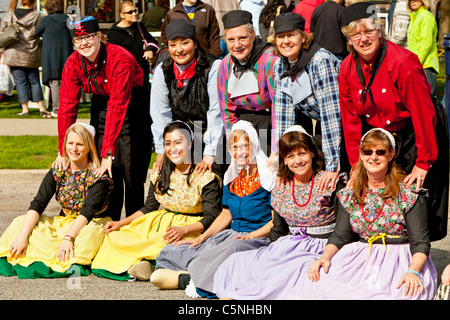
400, 92
119, 75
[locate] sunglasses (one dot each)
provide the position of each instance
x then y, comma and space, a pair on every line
131, 11
369, 152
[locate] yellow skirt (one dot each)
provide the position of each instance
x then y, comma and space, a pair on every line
45, 240
141, 239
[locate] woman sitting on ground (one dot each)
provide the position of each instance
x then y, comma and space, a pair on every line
302, 210
391, 259
36, 245
190, 201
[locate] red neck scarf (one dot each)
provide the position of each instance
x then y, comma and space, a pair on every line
187, 73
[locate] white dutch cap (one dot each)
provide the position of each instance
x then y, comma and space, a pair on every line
88, 127
267, 178
387, 133
297, 128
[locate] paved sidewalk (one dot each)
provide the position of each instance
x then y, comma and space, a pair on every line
19, 127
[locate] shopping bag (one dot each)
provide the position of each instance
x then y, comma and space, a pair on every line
6, 79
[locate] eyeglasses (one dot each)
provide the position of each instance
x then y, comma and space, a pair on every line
245, 147
87, 37
369, 152
368, 33
131, 11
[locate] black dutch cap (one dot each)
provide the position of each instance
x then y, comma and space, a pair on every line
180, 28
84, 26
288, 21
359, 10
236, 18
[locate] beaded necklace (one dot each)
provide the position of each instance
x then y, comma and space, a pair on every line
310, 191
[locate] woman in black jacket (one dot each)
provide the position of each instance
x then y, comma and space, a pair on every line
56, 48
133, 36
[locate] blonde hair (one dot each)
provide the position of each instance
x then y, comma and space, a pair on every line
425, 4
88, 142
124, 4
368, 23
248, 27
394, 175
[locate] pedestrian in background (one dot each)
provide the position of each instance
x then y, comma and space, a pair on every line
24, 56
56, 48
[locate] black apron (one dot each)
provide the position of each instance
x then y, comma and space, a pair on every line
133, 150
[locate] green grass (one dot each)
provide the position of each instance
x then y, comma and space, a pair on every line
28, 152
31, 152
10, 107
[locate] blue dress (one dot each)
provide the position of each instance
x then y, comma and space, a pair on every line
249, 213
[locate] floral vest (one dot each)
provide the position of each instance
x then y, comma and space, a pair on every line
391, 215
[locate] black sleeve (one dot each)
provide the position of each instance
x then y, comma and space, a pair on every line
280, 227
343, 232
151, 204
45, 193
97, 195
417, 226
211, 203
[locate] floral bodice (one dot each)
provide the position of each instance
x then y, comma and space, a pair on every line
317, 212
391, 213
181, 197
72, 189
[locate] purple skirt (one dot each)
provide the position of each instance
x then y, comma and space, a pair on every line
355, 274
269, 272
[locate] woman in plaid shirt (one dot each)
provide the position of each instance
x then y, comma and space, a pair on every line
306, 80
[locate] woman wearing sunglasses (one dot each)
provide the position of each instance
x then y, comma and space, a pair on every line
383, 85
133, 36
380, 246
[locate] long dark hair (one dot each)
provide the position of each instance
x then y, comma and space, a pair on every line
162, 183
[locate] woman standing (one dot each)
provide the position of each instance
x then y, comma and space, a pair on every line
246, 78
115, 79
307, 213
391, 259
383, 85
24, 56
306, 80
203, 17
421, 38
36, 245
133, 36
56, 48
190, 200
184, 87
